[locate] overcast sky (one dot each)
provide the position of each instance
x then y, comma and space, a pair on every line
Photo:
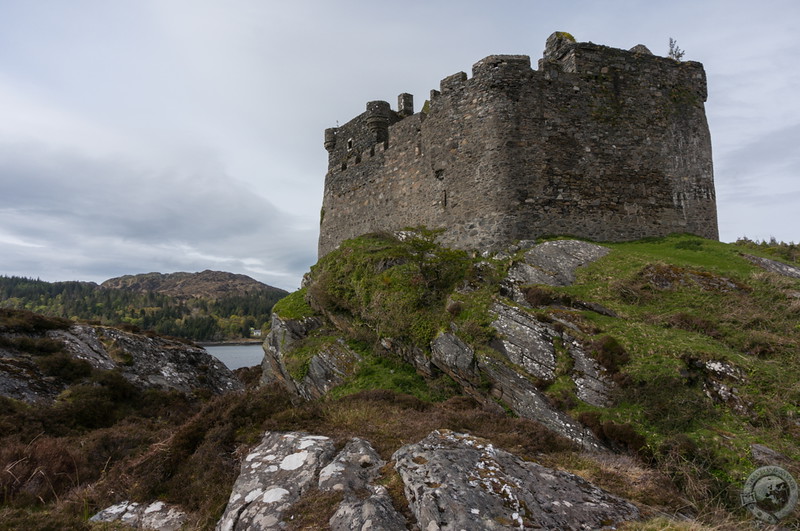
183, 135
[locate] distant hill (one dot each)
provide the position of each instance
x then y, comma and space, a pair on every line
207, 306
206, 284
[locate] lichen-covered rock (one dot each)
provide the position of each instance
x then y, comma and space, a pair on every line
592, 383
353, 469
365, 505
525, 341
273, 476
456, 481
528, 343
521, 395
148, 361
157, 515
507, 384
456, 358
285, 466
721, 381
327, 367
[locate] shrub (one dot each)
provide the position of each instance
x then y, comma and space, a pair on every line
609, 353
26, 322
35, 345
64, 367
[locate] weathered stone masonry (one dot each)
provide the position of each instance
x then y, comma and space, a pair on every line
600, 143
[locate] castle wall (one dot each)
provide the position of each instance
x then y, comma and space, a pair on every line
598, 143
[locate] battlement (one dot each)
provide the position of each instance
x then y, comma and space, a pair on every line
597, 142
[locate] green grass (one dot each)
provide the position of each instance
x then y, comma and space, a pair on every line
388, 373
293, 306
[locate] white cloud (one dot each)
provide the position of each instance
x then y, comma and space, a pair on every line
186, 135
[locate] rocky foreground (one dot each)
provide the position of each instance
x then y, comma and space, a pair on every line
560, 385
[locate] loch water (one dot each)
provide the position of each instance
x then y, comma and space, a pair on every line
236, 356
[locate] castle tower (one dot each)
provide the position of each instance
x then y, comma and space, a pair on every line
599, 143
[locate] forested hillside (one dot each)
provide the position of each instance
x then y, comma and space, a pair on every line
224, 309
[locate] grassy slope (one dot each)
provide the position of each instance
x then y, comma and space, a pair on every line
680, 301
188, 454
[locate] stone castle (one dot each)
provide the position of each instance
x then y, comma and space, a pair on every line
598, 143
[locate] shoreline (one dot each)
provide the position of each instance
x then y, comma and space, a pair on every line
229, 343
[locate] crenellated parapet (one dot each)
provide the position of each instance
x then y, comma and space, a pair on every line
598, 142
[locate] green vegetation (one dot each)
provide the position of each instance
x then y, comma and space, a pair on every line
389, 373
293, 306
399, 287
683, 304
199, 319
681, 315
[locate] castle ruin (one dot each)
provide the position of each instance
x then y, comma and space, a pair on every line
598, 143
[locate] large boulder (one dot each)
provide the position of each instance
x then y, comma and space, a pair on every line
451, 481
287, 466
456, 481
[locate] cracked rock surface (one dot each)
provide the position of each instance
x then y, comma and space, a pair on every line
285, 466
554, 263
456, 481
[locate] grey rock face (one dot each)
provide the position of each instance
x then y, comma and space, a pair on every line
515, 389
147, 362
365, 505
285, 466
525, 341
774, 266
283, 333
455, 481
452, 481
157, 515
328, 367
554, 263
525, 400
273, 477
592, 384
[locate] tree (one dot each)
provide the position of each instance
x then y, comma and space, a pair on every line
675, 52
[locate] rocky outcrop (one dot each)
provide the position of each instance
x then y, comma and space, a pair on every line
507, 384
526, 355
286, 466
774, 266
456, 481
554, 263
451, 481
156, 515
147, 361
328, 366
